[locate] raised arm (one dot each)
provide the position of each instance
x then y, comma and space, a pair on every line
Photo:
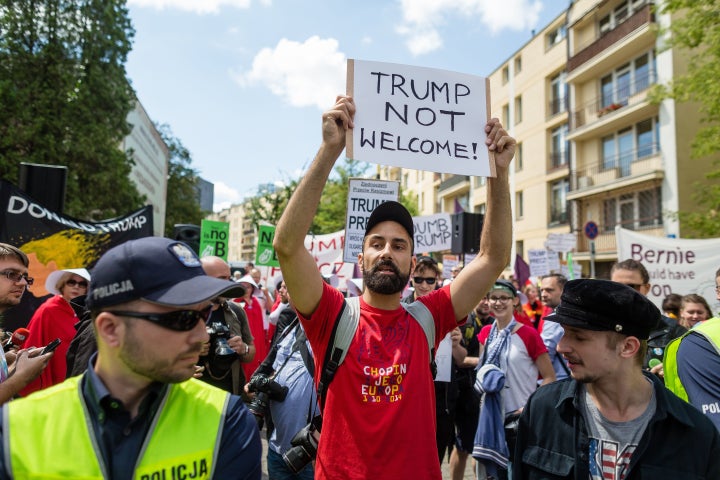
301, 275
495, 242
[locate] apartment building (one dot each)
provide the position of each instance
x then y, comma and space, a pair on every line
591, 146
242, 237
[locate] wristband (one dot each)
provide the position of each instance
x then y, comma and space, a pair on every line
247, 349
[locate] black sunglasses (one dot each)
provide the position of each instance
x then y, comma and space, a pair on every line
80, 283
179, 320
429, 280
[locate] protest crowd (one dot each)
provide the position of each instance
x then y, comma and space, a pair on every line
171, 366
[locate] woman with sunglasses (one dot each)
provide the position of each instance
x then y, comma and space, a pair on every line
56, 319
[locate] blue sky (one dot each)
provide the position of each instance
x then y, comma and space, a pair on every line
242, 83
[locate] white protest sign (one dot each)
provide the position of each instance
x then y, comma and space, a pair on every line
363, 196
675, 265
433, 233
553, 261
538, 262
443, 360
420, 118
577, 271
561, 242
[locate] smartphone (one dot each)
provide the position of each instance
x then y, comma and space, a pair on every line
51, 346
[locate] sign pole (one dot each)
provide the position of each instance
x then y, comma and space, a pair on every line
592, 258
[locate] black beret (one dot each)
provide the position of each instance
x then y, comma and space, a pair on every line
602, 305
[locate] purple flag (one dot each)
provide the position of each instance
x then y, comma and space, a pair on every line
458, 207
522, 270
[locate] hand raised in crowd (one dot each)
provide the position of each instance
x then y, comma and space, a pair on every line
235, 342
337, 121
455, 336
499, 141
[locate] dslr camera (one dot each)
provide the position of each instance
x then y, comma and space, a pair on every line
219, 334
265, 389
304, 446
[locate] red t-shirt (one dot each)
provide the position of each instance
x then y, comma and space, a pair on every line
379, 419
55, 318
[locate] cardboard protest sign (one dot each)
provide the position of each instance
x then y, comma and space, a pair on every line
433, 233
214, 238
363, 196
419, 118
265, 252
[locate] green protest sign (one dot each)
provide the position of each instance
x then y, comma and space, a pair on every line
265, 253
214, 238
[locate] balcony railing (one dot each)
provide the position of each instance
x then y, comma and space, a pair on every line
558, 160
606, 40
598, 107
453, 181
630, 164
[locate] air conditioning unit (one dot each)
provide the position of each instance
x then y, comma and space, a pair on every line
584, 182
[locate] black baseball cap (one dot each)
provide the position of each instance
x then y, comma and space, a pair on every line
155, 269
602, 305
393, 212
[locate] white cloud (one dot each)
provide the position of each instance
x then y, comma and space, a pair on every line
196, 6
423, 19
224, 196
302, 74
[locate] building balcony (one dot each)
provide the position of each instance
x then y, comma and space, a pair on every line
613, 105
454, 185
609, 39
606, 242
558, 161
624, 170
557, 106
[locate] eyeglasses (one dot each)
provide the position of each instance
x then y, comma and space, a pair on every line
80, 283
429, 280
15, 276
179, 320
500, 299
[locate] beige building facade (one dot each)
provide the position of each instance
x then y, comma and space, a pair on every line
591, 145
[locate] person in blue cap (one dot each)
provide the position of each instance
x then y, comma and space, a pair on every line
137, 412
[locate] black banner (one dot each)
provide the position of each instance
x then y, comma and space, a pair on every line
53, 241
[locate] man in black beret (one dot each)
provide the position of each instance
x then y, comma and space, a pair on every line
611, 419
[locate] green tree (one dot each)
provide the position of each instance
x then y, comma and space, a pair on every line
65, 98
182, 204
694, 30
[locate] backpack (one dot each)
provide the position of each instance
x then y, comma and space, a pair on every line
344, 329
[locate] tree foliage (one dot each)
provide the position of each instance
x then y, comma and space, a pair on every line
694, 31
182, 204
269, 204
64, 98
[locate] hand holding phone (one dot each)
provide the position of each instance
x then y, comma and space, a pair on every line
51, 346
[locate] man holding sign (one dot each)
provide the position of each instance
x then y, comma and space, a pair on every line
378, 416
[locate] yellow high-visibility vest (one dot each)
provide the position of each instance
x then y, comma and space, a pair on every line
51, 435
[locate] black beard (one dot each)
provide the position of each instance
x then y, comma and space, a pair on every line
383, 283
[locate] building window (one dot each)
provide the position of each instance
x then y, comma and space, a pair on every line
519, 209
505, 74
480, 181
559, 145
629, 145
558, 89
518, 64
506, 114
520, 248
625, 81
518, 109
633, 210
558, 201
519, 157
555, 36
621, 13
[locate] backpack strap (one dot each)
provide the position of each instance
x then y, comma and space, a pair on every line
422, 315
342, 334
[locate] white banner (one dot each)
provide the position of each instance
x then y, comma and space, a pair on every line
675, 265
538, 261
